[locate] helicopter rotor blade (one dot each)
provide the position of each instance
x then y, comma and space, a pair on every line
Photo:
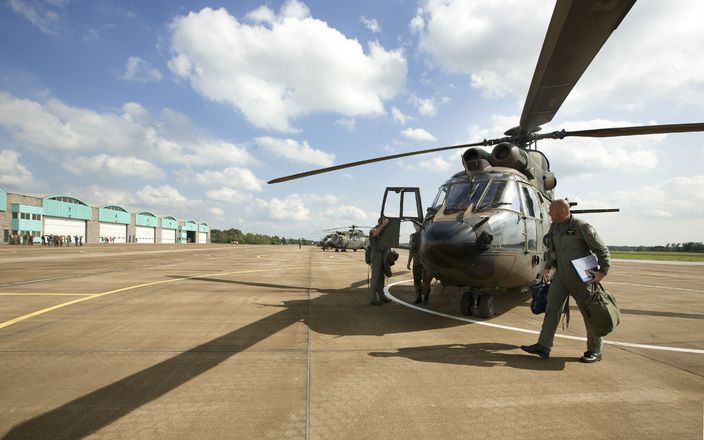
594, 211
637, 130
577, 31
377, 159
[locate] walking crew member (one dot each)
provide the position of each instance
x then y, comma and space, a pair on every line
568, 239
421, 279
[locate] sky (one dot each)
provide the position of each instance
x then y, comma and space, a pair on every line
188, 108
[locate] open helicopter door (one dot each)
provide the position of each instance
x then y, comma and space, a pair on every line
402, 206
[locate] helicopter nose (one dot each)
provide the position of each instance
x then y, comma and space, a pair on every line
453, 250
445, 243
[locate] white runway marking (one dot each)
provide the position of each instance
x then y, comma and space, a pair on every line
387, 291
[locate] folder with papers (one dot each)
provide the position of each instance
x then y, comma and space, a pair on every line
582, 265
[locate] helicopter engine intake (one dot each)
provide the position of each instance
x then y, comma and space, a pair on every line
508, 155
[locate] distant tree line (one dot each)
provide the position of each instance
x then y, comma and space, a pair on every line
236, 236
690, 246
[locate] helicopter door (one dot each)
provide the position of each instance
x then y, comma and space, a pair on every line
400, 205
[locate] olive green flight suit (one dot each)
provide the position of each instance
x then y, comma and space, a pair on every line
376, 283
566, 241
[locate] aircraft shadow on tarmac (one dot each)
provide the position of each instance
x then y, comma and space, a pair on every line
340, 312
478, 355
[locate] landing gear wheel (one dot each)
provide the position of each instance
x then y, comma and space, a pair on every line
486, 306
467, 306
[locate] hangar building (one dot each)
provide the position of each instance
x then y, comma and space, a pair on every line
62, 215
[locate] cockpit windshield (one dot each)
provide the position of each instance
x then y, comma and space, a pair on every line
501, 193
491, 190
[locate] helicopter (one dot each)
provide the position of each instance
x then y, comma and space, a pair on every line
353, 238
483, 232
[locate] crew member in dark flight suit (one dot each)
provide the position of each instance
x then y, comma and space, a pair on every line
376, 286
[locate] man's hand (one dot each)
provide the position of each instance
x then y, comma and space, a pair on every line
596, 276
408, 266
545, 274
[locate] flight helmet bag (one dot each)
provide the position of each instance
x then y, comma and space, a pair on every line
603, 310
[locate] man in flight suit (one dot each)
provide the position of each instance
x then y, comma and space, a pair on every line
421, 278
376, 286
568, 239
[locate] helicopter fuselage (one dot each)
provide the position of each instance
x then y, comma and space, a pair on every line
484, 230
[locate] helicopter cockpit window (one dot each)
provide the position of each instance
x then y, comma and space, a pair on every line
501, 194
440, 197
458, 197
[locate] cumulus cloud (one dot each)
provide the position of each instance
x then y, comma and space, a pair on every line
262, 14
674, 198
399, 116
439, 164
418, 134
346, 213
282, 67
140, 70
216, 212
581, 156
289, 208
371, 24
229, 195
233, 177
320, 198
56, 128
492, 43
470, 37
12, 172
424, 106
295, 151
100, 195
161, 196
117, 166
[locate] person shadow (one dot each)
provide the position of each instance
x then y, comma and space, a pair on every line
483, 354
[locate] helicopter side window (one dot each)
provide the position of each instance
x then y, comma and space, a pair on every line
530, 203
533, 213
507, 229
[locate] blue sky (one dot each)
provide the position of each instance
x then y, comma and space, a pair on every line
188, 108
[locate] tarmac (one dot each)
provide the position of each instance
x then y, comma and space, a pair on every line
277, 342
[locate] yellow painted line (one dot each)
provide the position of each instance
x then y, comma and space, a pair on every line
43, 294
123, 289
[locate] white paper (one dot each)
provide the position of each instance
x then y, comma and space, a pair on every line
582, 265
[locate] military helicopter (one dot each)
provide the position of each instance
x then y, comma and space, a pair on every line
483, 231
353, 238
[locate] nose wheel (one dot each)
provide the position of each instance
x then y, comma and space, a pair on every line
469, 304
483, 305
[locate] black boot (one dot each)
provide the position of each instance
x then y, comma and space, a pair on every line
419, 299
